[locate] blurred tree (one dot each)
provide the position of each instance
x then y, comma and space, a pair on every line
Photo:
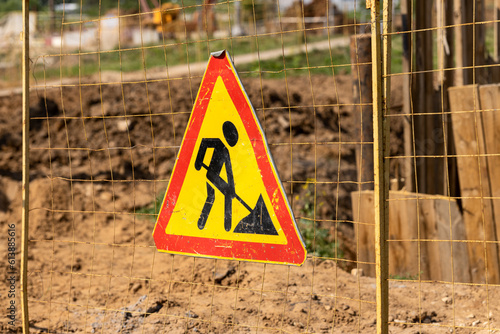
249, 6
52, 11
10, 5
90, 7
16, 5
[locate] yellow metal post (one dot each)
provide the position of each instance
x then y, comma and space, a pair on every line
25, 196
380, 165
386, 54
383, 178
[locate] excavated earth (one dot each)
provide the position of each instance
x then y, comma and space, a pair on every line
101, 154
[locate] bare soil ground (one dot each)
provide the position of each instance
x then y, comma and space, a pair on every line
101, 153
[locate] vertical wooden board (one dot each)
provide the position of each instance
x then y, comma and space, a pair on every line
441, 223
450, 226
427, 125
403, 255
364, 229
458, 32
435, 215
444, 41
462, 10
479, 45
408, 171
431, 259
403, 220
445, 61
473, 176
363, 114
468, 9
496, 32
490, 103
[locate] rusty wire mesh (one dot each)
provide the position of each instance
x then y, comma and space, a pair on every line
110, 99
443, 243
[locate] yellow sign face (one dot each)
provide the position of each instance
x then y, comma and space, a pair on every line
225, 199
247, 180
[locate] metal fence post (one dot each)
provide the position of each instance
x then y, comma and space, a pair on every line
381, 171
25, 181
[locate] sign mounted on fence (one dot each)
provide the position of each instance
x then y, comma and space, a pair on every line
225, 199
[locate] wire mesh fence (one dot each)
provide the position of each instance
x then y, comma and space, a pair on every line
443, 244
110, 100
111, 95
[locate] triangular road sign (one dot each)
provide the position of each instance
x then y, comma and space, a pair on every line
225, 199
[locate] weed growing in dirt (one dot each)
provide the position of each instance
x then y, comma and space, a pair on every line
318, 240
406, 277
151, 211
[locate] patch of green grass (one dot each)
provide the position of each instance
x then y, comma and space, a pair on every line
397, 54
490, 39
406, 276
318, 240
151, 211
320, 63
360, 15
172, 53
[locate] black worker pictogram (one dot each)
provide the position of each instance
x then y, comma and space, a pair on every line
258, 221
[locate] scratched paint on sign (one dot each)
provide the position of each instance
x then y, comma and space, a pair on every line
225, 199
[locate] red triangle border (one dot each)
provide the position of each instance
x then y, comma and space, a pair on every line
293, 252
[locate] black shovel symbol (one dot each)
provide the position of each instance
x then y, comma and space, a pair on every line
257, 222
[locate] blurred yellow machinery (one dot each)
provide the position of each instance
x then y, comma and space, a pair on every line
166, 19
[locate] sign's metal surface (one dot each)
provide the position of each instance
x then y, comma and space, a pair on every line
225, 199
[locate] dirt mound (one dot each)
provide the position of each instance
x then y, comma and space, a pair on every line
91, 145
132, 132
49, 205
99, 154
